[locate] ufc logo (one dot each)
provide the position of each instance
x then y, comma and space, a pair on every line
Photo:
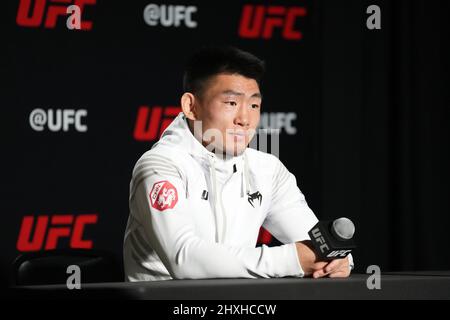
57, 120
56, 8
339, 253
260, 21
169, 15
279, 120
320, 239
151, 122
61, 226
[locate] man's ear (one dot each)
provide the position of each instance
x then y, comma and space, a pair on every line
188, 106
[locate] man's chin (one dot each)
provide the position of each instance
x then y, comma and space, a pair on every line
229, 152
236, 151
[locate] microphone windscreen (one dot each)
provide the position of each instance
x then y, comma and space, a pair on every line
344, 228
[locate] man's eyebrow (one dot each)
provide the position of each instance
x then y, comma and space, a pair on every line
235, 93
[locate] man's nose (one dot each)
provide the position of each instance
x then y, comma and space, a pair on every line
242, 118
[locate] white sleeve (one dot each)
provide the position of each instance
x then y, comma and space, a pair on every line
172, 234
289, 218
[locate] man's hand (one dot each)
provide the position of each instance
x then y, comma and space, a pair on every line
338, 268
308, 258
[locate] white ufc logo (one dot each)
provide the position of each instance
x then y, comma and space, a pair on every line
279, 120
338, 253
58, 120
320, 239
169, 15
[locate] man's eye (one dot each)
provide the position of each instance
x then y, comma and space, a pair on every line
231, 103
255, 106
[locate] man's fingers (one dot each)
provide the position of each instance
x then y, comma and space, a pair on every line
342, 271
337, 265
333, 266
338, 268
319, 269
320, 265
319, 274
340, 274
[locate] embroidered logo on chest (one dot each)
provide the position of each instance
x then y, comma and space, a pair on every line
254, 196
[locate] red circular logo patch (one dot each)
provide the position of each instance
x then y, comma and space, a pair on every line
163, 195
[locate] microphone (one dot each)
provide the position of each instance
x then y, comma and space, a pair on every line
332, 239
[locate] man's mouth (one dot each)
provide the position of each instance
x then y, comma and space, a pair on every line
238, 135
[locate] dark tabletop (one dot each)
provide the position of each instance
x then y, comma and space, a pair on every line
413, 285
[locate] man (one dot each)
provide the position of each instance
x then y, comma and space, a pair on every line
195, 213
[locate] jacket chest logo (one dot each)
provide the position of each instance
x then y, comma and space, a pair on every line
254, 196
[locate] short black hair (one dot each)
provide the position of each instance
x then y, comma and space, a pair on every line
214, 60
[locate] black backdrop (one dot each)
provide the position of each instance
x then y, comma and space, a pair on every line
371, 108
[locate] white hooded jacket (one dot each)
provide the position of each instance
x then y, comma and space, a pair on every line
193, 215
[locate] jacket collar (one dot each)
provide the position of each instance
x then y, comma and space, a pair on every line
179, 136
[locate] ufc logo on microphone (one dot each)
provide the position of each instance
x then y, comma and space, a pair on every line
151, 122
320, 239
61, 226
338, 253
31, 13
260, 21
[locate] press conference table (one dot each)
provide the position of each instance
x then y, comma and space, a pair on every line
413, 285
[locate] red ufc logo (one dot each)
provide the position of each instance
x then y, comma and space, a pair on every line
264, 236
60, 226
54, 10
151, 122
260, 21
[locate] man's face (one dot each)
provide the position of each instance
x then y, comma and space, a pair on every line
229, 110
